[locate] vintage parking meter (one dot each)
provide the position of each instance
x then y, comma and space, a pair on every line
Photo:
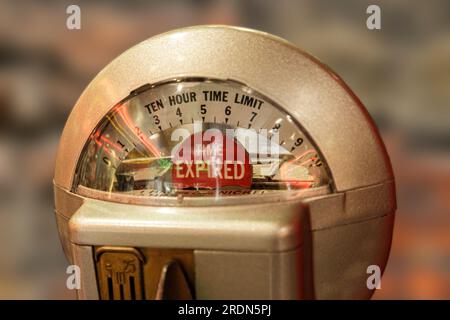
216, 162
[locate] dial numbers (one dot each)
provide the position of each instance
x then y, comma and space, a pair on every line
135, 141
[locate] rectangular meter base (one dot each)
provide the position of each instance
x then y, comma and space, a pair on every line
124, 273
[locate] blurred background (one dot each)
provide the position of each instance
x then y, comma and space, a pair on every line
401, 73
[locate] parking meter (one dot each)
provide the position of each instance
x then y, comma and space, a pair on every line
217, 162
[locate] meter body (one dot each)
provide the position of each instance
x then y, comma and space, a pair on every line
216, 162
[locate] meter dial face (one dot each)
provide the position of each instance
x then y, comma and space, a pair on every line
198, 138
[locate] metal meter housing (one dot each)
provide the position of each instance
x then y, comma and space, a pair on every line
307, 232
